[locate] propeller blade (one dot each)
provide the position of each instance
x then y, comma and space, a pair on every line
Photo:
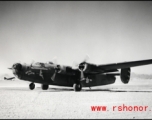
55, 60
75, 65
86, 58
53, 76
32, 63
57, 69
41, 74
82, 76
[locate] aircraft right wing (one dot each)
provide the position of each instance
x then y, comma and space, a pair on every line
113, 67
124, 64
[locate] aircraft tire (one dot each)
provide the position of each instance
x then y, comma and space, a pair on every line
32, 86
44, 87
77, 87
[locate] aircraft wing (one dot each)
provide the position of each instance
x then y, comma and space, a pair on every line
124, 64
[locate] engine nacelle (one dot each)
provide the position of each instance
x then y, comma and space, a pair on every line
125, 75
86, 67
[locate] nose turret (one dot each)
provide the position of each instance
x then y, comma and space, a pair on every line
17, 68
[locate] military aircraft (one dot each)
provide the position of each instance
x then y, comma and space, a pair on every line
84, 75
9, 78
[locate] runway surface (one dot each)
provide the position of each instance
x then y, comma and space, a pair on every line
64, 103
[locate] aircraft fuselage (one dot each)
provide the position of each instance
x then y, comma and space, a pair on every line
43, 76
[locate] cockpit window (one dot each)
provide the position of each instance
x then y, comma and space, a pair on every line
50, 62
39, 64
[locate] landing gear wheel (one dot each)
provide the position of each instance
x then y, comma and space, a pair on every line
77, 87
44, 87
32, 86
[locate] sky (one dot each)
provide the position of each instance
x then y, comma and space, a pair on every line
107, 31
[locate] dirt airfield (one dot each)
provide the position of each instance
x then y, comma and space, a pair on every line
63, 103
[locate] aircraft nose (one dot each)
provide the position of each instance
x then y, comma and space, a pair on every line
17, 67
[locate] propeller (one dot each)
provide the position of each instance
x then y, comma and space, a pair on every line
16, 68
57, 69
81, 66
76, 65
32, 63
54, 60
41, 74
82, 75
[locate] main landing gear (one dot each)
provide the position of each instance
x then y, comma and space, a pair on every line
44, 87
77, 87
31, 86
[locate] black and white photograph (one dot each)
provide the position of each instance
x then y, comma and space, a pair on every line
75, 59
